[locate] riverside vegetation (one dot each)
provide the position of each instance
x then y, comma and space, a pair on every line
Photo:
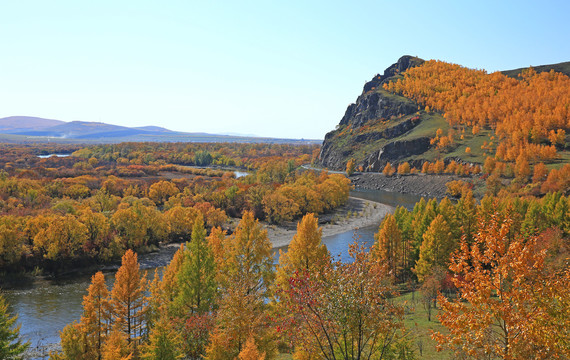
470, 278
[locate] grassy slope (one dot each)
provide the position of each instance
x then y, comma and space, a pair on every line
560, 67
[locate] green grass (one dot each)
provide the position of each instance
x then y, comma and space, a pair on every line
560, 67
420, 329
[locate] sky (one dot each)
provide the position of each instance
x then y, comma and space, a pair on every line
283, 69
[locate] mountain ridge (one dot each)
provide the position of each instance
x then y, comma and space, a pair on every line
35, 129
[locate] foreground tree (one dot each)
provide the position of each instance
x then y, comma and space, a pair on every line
389, 248
196, 277
164, 342
508, 306
96, 321
437, 245
345, 311
242, 308
305, 252
11, 346
128, 300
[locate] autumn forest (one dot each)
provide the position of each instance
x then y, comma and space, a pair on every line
481, 273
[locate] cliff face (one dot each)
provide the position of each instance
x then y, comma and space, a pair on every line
376, 117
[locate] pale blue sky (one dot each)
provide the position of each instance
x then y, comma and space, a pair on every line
280, 69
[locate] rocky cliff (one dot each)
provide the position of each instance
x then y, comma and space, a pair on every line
372, 128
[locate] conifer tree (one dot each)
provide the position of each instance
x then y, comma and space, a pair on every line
164, 342
305, 252
196, 278
436, 247
388, 246
250, 351
95, 322
11, 346
242, 304
128, 300
250, 256
117, 347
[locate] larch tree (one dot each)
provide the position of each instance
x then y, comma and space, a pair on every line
96, 320
350, 167
128, 300
242, 305
11, 345
305, 252
117, 347
164, 341
389, 248
196, 282
437, 245
250, 351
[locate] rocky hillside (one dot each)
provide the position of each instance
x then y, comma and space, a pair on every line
382, 127
379, 127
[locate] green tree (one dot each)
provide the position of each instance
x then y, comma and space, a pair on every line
11, 346
164, 342
196, 277
436, 248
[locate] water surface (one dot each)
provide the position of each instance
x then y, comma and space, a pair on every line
46, 306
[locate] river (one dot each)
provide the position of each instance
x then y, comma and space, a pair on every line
44, 306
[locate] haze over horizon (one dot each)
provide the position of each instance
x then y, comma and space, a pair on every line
283, 70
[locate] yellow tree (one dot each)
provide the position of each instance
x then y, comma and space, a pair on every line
437, 245
404, 168
249, 269
350, 167
62, 239
96, 321
388, 170
128, 300
389, 248
508, 306
306, 251
250, 351
116, 347
161, 191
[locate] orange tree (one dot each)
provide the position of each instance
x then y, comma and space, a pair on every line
508, 306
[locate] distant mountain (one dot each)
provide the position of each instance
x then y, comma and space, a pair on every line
153, 128
14, 124
26, 129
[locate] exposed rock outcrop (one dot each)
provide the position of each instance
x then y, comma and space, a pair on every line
375, 104
395, 151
